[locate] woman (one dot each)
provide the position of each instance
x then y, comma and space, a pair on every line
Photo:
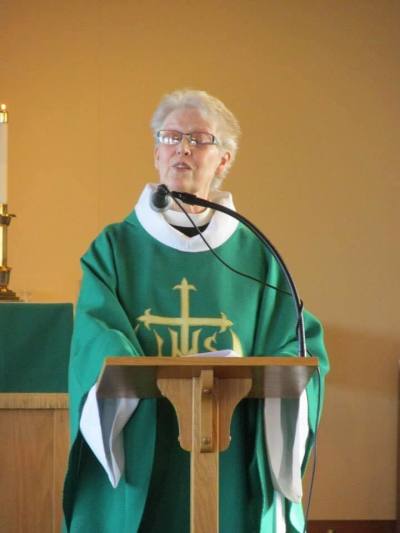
145, 279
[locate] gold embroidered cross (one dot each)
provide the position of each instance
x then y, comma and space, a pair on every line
184, 322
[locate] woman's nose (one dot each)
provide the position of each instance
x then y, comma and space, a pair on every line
183, 147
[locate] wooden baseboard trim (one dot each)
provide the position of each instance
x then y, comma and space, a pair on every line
33, 400
351, 526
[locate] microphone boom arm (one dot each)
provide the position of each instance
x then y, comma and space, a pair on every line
191, 199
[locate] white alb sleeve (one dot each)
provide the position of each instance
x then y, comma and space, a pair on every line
286, 433
101, 425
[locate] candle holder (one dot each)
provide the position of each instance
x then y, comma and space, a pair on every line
6, 295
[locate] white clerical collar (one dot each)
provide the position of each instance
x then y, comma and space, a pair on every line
219, 230
178, 218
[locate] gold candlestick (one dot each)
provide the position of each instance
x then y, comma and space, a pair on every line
6, 295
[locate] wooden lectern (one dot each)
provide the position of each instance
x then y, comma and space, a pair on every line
204, 392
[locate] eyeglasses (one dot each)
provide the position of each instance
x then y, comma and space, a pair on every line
196, 138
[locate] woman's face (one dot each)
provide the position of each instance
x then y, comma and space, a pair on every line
184, 167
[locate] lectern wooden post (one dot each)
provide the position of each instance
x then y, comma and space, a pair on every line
204, 392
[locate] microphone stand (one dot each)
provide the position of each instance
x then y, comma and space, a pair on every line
192, 199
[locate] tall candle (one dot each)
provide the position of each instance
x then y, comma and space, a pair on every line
3, 153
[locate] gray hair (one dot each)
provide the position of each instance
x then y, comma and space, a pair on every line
211, 108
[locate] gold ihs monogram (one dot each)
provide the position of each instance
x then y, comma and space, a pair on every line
182, 342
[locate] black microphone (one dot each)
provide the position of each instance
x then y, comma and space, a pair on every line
160, 199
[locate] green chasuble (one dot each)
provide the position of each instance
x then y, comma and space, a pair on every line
149, 290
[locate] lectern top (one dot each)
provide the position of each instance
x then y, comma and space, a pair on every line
273, 376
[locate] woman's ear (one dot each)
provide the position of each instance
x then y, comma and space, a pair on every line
155, 153
225, 158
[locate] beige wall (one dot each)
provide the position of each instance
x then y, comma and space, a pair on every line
315, 85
